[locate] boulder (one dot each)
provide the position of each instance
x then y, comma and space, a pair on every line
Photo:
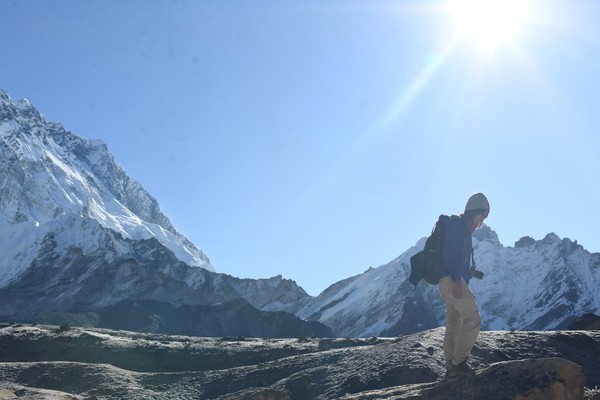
258, 394
529, 379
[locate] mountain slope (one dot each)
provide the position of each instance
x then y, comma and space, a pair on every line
50, 177
78, 235
536, 285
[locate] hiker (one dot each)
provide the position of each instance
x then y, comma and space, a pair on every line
462, 315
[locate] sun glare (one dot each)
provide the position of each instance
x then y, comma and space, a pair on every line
489, 23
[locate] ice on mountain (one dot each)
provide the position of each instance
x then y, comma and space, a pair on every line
53, 177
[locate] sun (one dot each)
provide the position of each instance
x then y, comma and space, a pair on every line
489, 23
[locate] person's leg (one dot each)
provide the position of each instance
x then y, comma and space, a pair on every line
469, 330
462, 322
453, 321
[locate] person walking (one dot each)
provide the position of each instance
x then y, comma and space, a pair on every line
462, 315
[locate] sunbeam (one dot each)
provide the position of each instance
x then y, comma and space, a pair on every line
406, 96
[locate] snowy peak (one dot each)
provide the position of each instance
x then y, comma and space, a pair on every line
486, 234
78, 235
20, 107
50, 177
536, 285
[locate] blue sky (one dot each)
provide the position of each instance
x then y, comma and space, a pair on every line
315, 139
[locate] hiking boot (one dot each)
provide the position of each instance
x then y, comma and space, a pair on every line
459, 370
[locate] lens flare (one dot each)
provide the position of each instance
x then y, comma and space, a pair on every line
489, 23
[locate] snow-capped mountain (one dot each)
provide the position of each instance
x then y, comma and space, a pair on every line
55, 180
77, 234
81, 240
535, 285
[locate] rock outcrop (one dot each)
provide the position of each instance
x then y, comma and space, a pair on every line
107, 364
531, 379
587, 322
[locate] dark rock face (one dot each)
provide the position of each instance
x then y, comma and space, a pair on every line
524, 242
148, 290
105, 364
587, 322
233, 318
412, 316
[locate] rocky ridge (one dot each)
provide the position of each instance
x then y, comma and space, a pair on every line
78, 363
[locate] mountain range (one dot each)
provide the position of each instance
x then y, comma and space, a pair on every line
535, 285
85, 244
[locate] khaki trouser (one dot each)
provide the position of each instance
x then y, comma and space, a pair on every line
462, 322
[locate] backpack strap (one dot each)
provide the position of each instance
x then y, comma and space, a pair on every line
472, 251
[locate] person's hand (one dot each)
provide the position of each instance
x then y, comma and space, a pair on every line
457, 289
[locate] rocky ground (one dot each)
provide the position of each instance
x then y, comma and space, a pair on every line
60, 362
